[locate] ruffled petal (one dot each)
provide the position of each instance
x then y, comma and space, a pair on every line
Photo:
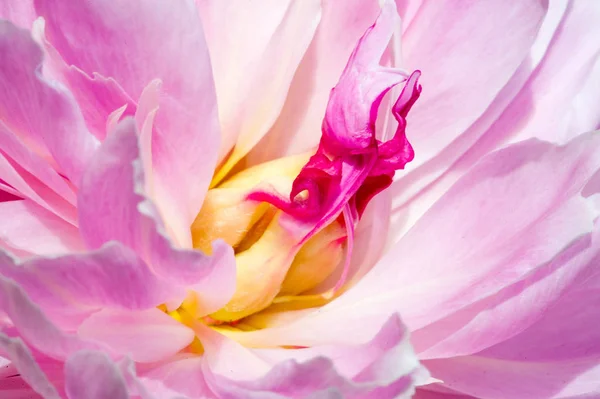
126, 215
167, 42
113, 277
383, 367
34, 328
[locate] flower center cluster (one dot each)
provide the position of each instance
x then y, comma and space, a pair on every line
291, 221
290, 248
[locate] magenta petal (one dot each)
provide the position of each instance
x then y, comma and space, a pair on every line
127, 216
39, 111
472, 261
92, 375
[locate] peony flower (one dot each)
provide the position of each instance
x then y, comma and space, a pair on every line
299, 199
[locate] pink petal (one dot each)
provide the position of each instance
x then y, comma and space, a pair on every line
351, 165
125, 215
147, 388
498, 379
267, 41
34, 327
298, 127
526, 108
22, 359
167, 42
183, 375
96, 95
555, 357
424, 393
113, 277
40, 112
146, 336
513, 309
19, 12
408, 9
471, 261
381, 368
25, 185
30, 228
458, 91
144, 118
92, 375
17, 151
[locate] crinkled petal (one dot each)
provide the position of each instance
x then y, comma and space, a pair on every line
96, 95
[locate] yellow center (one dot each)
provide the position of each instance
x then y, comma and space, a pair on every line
274, 272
